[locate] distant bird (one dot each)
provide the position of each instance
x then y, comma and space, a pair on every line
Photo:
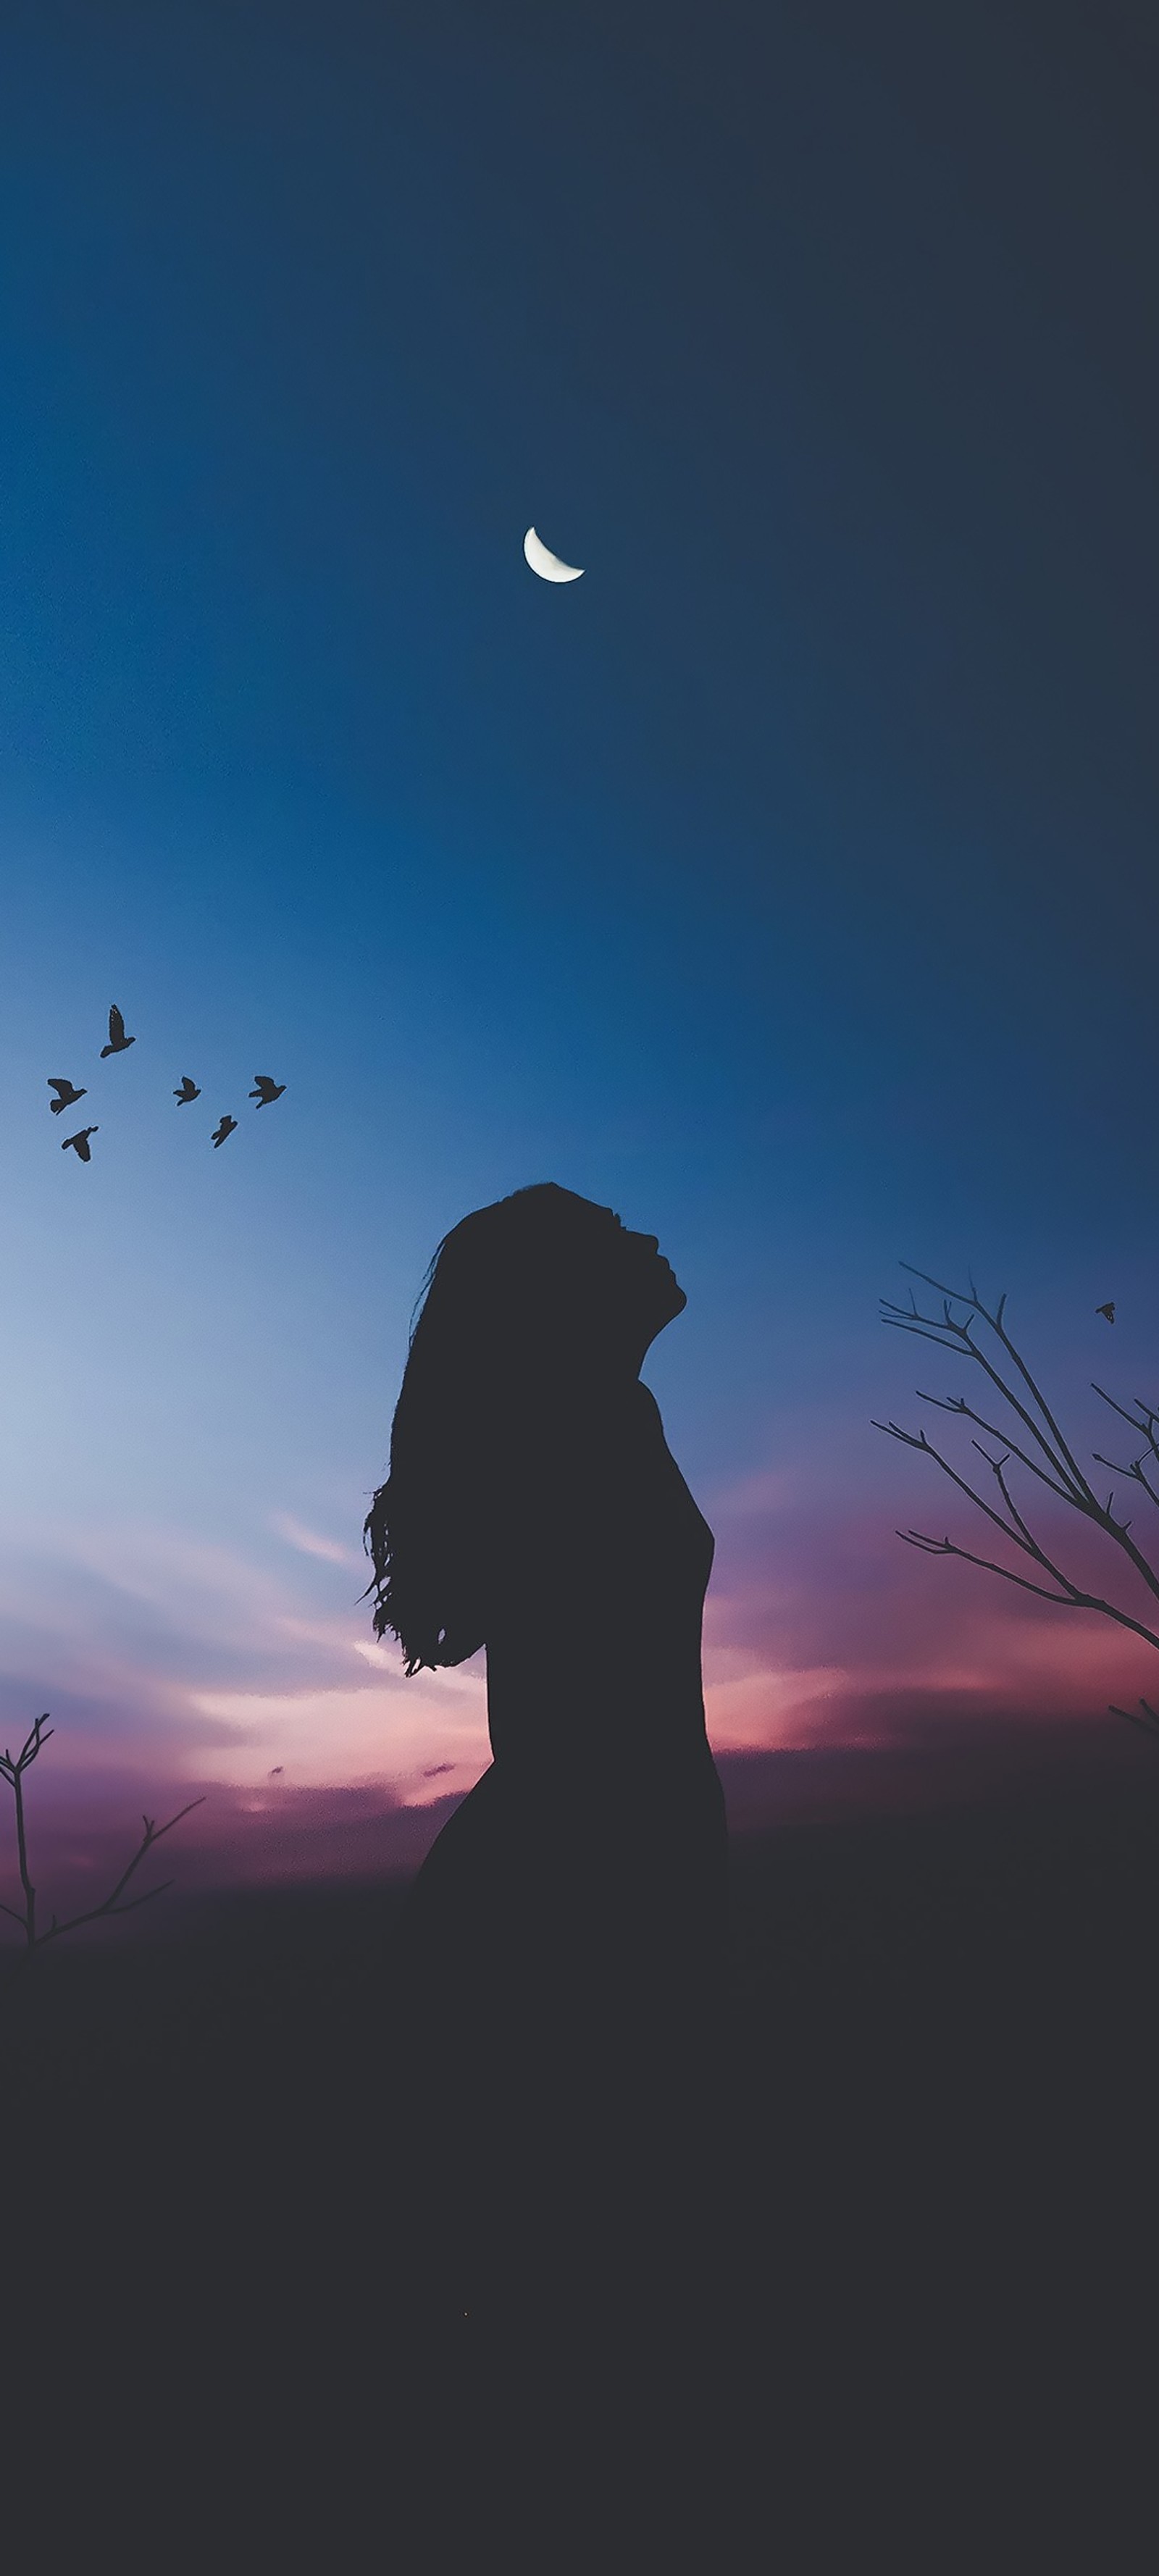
224, 1128
67, 1094
266, 1089
189, 1089
117, 1039
276, 1773
81, 1143
1108, 1310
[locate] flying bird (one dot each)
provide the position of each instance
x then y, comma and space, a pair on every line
189, 1090
67, 1095
266, 1089
225, 1127
117, 1039
81, 1143
276, 1773
1108, 1310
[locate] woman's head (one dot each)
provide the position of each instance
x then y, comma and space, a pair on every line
540, 1296
549, 1272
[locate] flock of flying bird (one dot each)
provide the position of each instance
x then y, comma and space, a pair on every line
67, 1093
265, 1089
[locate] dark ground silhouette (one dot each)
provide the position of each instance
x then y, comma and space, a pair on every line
917, 2328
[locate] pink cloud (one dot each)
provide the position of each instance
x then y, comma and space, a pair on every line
816, 1621
174, 1667
84, 1826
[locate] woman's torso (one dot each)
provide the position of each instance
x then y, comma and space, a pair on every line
594, 1641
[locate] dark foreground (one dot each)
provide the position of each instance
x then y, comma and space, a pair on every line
890, 2299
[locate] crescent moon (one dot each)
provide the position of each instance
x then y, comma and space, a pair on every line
547, 565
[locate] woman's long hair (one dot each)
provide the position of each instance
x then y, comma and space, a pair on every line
510, 1288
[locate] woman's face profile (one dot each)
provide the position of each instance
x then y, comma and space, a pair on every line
651, 1293
560, 1269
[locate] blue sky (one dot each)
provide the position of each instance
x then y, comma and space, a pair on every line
787, 883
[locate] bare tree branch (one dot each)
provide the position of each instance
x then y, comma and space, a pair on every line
1062, 1475
957, 1404
1144, 1418
918, 1440
1060, 1457
13, 1768
1148, 1721
151, 1835
1133, 1468
1071, 1599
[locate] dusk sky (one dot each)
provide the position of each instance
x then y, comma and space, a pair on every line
786, 884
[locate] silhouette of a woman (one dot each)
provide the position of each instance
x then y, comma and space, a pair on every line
566, 1933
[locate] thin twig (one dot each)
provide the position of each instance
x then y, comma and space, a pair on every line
1149, 1721
12, 1768
996, 1325
928, 1329
151, 1835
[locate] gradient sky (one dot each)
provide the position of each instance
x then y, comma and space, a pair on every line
787, 884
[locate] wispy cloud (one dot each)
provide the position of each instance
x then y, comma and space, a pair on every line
310, 1542
767, 1490
174, 1665
397, 1735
